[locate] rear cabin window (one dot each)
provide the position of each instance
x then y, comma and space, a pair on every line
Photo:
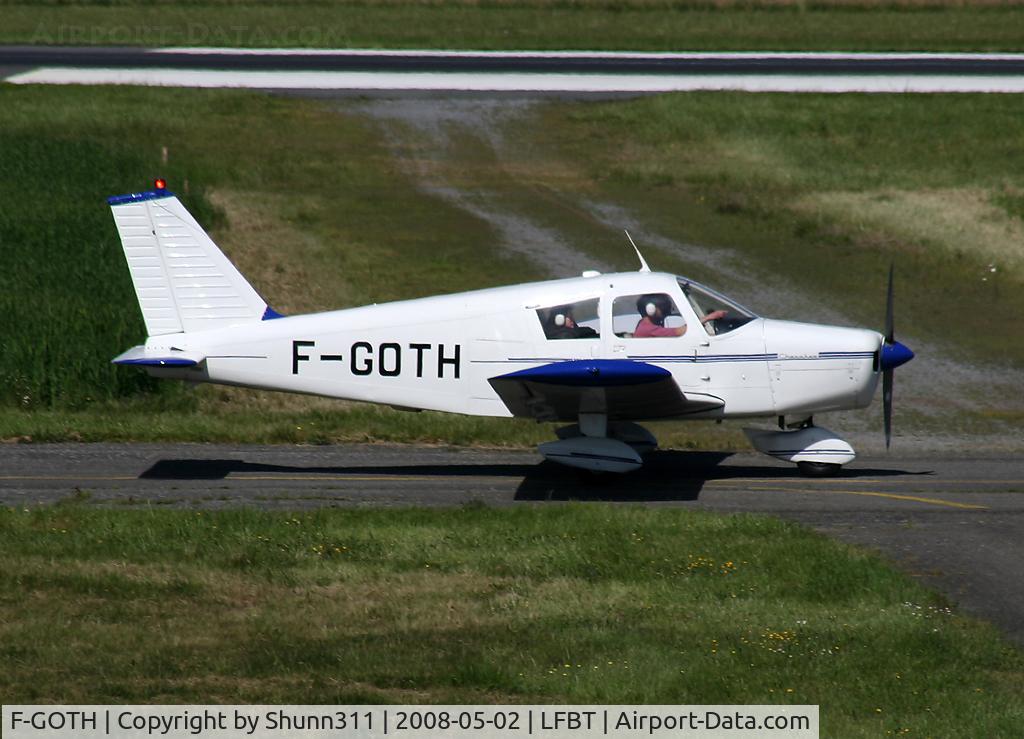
577, 320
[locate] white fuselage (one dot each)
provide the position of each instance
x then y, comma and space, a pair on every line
438, 353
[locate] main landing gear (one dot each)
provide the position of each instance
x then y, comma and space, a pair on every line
596, 444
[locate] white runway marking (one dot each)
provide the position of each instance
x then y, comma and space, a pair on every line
522, 82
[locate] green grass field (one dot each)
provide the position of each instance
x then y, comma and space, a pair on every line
294, 192
319, 211
661, 25
563, 604
828, 190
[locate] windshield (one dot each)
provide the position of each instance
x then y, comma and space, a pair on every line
723, 315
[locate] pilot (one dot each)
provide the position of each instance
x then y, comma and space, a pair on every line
654, 309
562, 325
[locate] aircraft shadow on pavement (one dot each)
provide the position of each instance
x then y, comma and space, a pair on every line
218, 469
665, 476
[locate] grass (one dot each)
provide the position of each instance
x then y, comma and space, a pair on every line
65, 297
320, 212
827, 190
270, 196
224, 415
564, 604
669, 25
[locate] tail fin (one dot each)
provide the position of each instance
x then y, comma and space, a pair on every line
182, 280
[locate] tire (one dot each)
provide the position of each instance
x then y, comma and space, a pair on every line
595, 477
818, 469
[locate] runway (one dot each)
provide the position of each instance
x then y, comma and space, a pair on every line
956, 524
518, 71
546, 62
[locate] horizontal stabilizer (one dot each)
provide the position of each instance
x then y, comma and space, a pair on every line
620, 388
138, 356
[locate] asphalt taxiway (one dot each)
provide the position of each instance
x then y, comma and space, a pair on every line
540, 62
955, 523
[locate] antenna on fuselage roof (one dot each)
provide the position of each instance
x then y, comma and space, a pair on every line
643, 262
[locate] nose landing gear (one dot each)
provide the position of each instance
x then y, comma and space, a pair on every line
816, 451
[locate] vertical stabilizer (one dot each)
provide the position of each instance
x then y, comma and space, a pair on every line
182, 280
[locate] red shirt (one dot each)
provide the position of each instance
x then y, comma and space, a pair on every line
647, 328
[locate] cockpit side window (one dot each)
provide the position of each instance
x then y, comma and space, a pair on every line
719, 315
648, 315
577, 320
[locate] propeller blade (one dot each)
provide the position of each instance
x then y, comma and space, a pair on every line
893, 354
887, 379
890, 331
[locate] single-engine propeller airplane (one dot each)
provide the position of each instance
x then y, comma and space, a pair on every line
598, 352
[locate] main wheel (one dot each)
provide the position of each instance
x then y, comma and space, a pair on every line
818, 469
595, 478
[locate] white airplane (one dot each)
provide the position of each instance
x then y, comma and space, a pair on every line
599, 351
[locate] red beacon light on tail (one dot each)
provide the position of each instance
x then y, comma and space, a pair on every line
160, 184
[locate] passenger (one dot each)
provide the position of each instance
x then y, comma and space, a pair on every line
562, 325
654, 309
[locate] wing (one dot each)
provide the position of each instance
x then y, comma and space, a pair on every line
620, 388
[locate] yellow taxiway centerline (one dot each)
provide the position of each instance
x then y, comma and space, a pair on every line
367, 478
873, 493
877, 481
233, 476
68, 478
730, 484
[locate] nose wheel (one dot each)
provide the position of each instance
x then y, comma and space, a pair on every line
818, 469
816, 451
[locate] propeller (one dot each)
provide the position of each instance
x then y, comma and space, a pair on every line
893, 354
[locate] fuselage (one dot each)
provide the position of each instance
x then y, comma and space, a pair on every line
439, 353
